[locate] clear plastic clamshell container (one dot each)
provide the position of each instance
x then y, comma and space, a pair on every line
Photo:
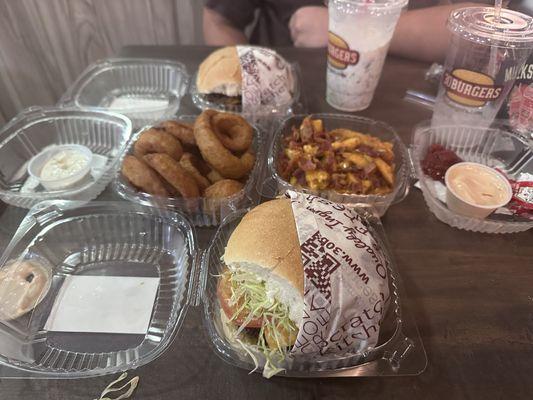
37, 129
201, 211
108, 240
399, 350
118, 240
143, 89
272, 184
495, 147
209, 101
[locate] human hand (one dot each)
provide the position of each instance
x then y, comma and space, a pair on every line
309, 27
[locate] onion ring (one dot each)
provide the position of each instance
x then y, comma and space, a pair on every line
214, 152
142, 176
173, 173
233, 131
191, 164
157, 141
223, 188
214, 176
180, 130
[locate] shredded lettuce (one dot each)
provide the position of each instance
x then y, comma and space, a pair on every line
249, 296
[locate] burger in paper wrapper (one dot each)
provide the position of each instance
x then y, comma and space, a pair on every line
305, 278
252, 78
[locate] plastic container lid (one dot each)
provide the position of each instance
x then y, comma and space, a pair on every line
144, 90
373, 7
37, 129
477, 24
108, 243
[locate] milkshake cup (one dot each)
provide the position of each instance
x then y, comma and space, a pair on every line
359, 35
483, 60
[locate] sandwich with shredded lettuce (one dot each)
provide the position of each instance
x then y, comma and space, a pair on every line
261, 290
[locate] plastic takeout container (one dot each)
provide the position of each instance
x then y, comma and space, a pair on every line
125, 239
143, 89
494, 147
201, 211
114, 239
36, 129
398, 352
204, 102
37, 163
273, 184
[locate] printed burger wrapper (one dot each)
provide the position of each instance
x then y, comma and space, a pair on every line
267, 79
346, 291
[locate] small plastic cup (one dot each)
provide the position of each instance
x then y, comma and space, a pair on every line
37, 163
467, 208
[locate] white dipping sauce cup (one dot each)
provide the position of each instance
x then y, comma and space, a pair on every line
37, 163
464, 207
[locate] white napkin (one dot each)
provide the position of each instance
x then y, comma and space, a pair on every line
103, 304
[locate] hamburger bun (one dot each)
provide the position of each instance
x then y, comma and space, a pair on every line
266, 243
220, 73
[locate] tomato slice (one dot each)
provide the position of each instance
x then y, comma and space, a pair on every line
224, 296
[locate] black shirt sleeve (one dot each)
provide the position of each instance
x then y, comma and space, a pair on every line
239, 13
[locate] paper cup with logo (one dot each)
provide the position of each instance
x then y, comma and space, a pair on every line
359, 35
484, 58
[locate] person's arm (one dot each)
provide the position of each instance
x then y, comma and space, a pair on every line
218, 31
422, 34
309, 26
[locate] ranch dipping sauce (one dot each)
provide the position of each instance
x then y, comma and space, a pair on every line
63, 165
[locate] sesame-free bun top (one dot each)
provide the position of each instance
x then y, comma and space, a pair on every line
266, 243
220, 73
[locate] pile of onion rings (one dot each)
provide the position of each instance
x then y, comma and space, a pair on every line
211, 158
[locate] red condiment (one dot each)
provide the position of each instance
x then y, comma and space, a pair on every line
438, 160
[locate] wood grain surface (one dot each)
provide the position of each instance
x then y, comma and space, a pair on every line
46, 44
471, 294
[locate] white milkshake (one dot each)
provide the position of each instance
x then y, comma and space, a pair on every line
359, 37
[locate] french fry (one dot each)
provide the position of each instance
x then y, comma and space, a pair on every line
318, 126
385, 170
358, 159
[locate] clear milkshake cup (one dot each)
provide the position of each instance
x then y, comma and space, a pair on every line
359, 35
483, 60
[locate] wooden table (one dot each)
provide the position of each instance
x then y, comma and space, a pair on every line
471, 294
